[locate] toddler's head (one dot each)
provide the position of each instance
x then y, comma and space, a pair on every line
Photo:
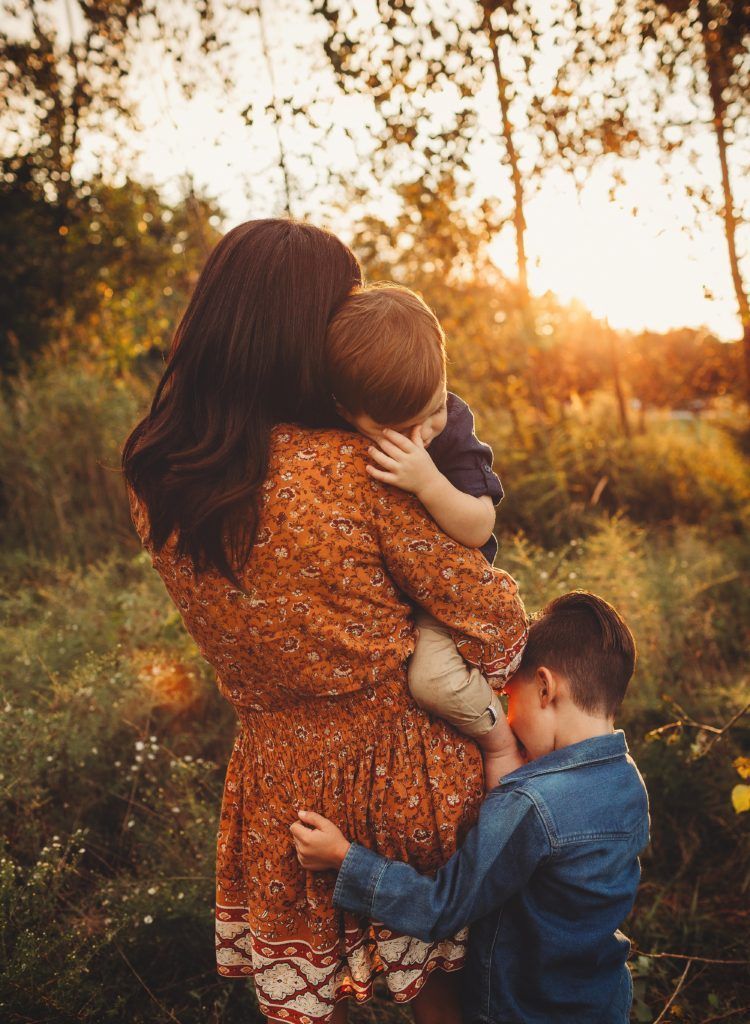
573, 675
386, 362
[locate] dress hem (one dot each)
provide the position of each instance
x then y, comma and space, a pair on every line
450, 967
298, 984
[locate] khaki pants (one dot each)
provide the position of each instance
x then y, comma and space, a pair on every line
442, 683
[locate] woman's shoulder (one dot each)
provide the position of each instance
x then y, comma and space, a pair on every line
138, 512
322, 443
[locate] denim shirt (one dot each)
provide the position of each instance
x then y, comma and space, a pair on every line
465, 460
545, 877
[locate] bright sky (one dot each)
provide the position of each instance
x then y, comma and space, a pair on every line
631, 261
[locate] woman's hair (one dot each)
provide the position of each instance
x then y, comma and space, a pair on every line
248, 353
386, 353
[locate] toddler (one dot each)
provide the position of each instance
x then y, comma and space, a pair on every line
386, 363
551, 869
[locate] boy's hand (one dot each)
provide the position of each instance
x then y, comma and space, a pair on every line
319, 844
403, 462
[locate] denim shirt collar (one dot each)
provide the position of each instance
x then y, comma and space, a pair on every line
598, 748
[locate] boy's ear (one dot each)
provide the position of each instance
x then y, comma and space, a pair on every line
546, 686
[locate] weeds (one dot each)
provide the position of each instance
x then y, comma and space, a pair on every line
113, 739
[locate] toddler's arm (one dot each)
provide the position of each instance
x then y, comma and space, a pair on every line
442, 683
405, 462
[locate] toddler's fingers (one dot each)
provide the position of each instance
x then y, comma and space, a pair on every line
382, 459
380, 474
395, 443
416, 436
299, 832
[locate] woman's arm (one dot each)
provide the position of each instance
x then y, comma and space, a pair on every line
479, 603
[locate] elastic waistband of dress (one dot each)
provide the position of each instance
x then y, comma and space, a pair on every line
363, 706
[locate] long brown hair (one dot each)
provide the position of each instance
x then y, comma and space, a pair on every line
248, 353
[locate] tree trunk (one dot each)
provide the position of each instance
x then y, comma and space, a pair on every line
622, 405
277, 120
519, 219
716, 78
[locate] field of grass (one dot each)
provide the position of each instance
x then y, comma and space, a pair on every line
113, 739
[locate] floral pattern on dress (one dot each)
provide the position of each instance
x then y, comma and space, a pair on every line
312, 654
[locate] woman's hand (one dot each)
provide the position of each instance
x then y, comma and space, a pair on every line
404, 462
319, 844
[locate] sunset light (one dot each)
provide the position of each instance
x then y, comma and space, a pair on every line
374, 511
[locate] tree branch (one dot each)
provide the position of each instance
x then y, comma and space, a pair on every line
674, 995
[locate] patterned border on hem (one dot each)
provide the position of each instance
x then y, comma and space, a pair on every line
298, 984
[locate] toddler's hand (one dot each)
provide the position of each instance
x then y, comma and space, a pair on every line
319, 844
403, 461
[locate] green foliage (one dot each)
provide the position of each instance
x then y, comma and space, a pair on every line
109, 272
62, 425
113, 738
109, 795
683, 596
564, 473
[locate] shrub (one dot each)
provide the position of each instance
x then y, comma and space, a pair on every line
560, 477
62, 425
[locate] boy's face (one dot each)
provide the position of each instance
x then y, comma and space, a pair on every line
431, 420
531, 713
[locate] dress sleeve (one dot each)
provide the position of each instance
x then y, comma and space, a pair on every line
137, 515
479, 603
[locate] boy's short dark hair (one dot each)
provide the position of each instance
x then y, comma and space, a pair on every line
386, 353
583, 637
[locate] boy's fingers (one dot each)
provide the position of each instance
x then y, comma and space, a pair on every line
416, 436
313, 818
299, 832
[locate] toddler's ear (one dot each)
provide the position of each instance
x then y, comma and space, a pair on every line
341, 410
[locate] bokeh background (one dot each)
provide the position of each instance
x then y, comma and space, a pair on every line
567, 185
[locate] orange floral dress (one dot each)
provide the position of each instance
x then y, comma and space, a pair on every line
313, 657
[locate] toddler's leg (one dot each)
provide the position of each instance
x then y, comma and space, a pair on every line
442, 683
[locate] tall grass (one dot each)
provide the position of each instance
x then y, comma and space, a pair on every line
62, 425
113, 739
562, 474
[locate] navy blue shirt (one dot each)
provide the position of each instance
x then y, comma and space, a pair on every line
546, 877
465, 460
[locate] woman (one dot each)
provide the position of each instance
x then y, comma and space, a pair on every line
290, 567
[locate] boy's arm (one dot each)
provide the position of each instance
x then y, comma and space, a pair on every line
405, 462
498, 857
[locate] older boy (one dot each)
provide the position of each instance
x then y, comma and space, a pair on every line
551, 869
